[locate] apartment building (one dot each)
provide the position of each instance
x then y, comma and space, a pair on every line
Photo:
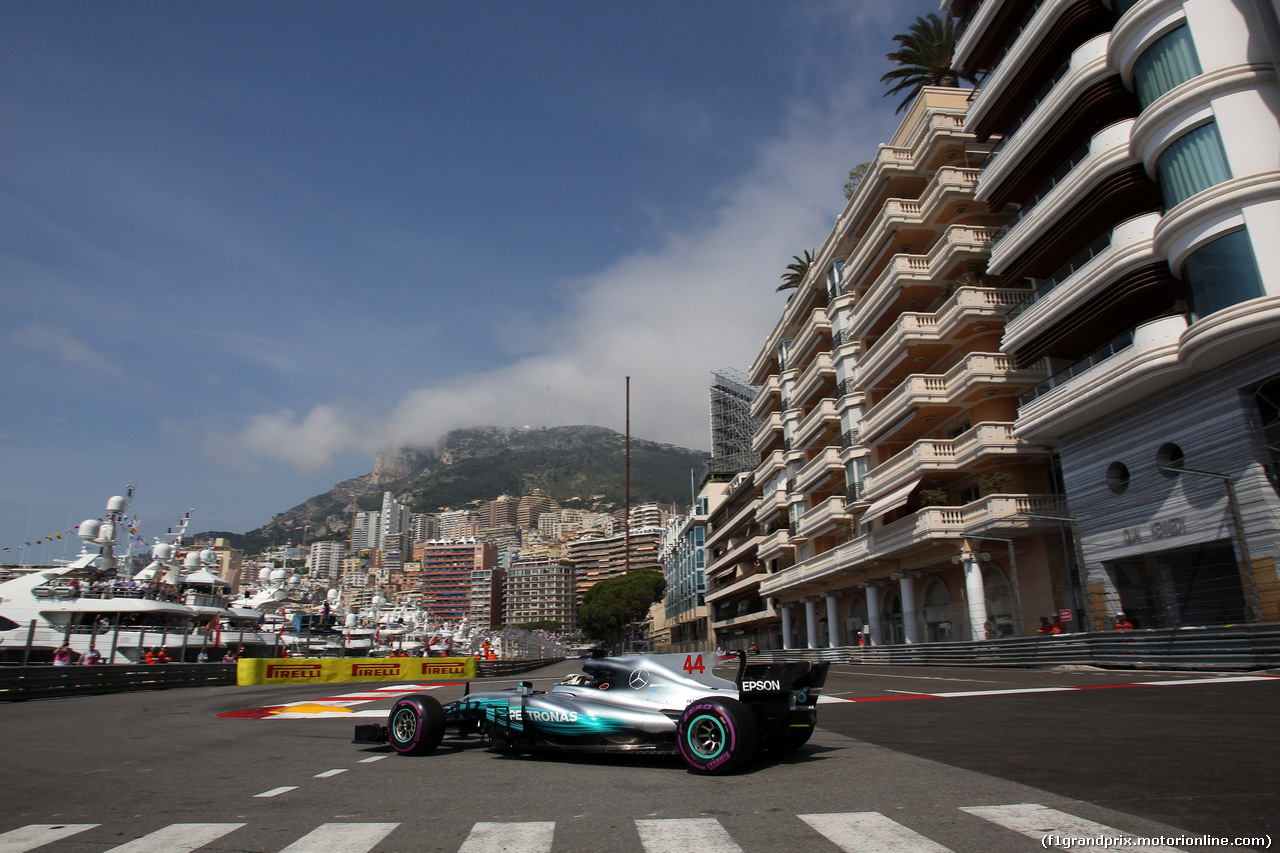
448, 568
896, 504
739, 615
686, 626
1139, 156
539, 589
598, 557
324, 560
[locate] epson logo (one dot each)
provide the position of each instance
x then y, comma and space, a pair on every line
761, 685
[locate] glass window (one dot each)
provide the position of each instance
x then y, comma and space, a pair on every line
1222, 273
1166, 63
1193, 162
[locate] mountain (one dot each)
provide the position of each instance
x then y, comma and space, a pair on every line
580, 466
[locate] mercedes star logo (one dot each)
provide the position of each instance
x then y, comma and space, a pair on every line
638, 679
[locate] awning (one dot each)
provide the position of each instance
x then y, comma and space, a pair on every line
889, 502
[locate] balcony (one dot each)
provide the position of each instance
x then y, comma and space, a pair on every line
1128, 248
958, 244
1086, 68
1109, 381
950, 186
776, 544
739, 522
744, 583
976, 374
986, 440
769, 433
823, 519
1108, 154
967, 307
818, 376
768, 398
826, 464
824, 416
813, 334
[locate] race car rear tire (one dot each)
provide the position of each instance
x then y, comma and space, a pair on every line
717, 735
415, 725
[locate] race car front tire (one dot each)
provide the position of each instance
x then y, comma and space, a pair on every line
415, 725
717, 735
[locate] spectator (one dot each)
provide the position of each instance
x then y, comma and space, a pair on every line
62, 657
203, 657
1123, 623
1045, 627
91, 657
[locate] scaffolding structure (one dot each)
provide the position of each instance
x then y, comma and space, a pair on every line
732, 426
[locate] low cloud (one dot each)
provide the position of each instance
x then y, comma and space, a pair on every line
69, 350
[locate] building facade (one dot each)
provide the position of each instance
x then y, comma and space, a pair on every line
893, 490
539, 589
1140, 151
448, 571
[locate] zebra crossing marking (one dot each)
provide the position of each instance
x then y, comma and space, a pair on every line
1038, 822
528, 837
38, 834
851, 832
685, 835
870, 832
177, 838
341, 838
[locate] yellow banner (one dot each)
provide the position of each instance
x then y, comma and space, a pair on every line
324, 670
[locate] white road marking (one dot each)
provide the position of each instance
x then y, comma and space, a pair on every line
341, 838
688, 835
530, 837
870, 832
177, 838
373, 758
1037, 821
275, 792
38, 834
326, 774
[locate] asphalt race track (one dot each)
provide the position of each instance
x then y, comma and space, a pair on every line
907, 760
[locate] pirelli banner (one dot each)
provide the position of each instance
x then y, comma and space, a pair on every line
324, 670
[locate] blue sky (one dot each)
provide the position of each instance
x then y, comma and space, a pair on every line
244, 245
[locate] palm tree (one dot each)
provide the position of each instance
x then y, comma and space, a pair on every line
796, 272
924, 58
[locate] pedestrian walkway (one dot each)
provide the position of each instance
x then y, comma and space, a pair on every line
849, 832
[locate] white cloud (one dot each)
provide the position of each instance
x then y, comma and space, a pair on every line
69, 349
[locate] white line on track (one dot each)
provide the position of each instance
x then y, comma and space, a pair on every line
530, 837
373, 758
705, 835
37, 835
1037, 821
275, 792
177, 838
326, 774
341, 838
870, 832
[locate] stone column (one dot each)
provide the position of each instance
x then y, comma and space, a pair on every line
976, 592
873, 613
833, 621
910, 614
786, 625
811, 622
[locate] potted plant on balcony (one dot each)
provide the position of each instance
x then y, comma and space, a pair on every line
934, 496
995, 482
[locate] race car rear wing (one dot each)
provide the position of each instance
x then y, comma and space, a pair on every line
776, 679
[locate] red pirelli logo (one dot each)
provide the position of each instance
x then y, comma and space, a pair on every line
451, 668
294, 670
367, 669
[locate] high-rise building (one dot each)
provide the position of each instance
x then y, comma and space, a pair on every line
1140, 155
684, 565
448, 567
324, 562
598, 558
425, 527
540, 590
890, 477
533, 505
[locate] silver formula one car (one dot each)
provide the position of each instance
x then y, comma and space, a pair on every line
634, 703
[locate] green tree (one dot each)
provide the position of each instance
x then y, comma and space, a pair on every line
796, 272
856, 174
924, 57
610, 606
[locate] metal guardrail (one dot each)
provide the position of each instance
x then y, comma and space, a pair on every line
44, 682
499, 668
1238, 647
